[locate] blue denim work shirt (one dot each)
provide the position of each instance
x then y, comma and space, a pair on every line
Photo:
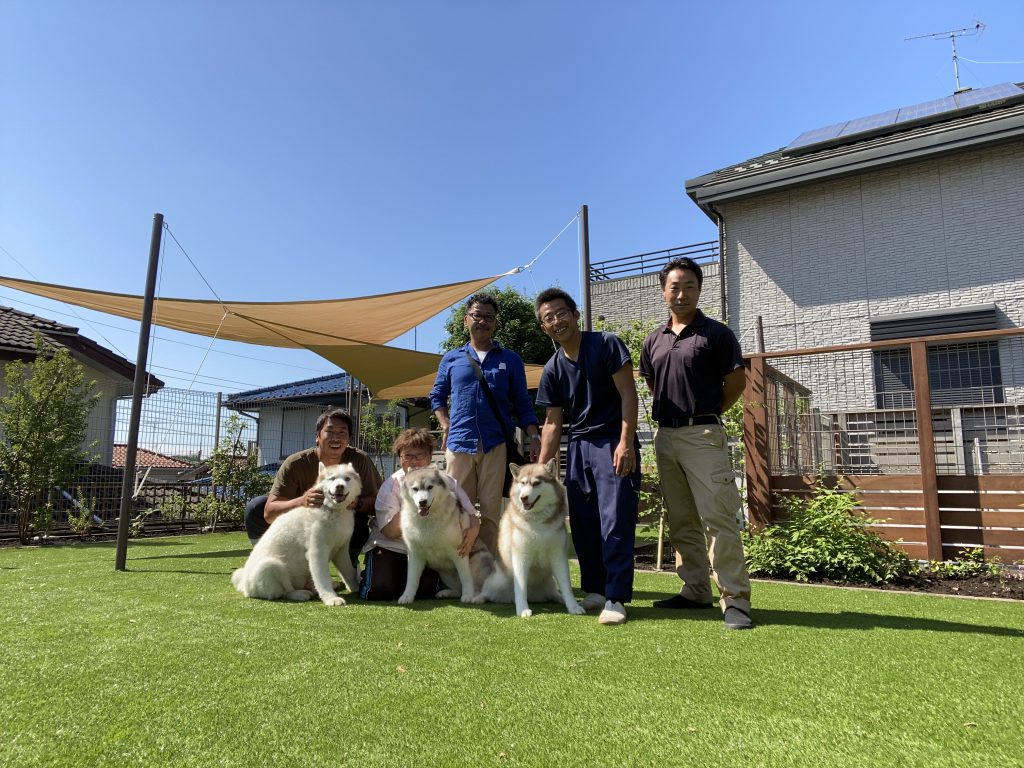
471, 416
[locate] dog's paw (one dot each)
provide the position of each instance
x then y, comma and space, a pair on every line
406, 599
299, 595
479, 599
470, 598
575, 609
445, 594
525, 613
335, 600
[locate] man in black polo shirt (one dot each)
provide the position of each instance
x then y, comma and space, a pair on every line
694, 369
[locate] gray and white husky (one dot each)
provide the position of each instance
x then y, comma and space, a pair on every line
432, 526
533, 563
303, 542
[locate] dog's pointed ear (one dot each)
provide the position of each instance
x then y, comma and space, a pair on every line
323, 467
552, 467
514, 469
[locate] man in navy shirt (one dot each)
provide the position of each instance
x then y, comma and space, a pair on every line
694, 369
472, 436
587, 386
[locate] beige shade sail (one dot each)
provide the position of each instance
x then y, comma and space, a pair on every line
420, 386
350, 333
363, 320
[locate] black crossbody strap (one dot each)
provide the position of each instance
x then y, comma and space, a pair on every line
489, 395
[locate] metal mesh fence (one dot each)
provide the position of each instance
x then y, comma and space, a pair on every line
178, 432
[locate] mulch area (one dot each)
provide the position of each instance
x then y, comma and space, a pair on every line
1010, 587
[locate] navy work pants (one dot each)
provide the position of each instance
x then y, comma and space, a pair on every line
602, 516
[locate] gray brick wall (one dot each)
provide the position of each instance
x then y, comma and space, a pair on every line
639, 297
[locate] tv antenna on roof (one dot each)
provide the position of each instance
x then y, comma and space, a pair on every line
953, 34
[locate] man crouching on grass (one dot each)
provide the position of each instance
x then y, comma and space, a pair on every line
588, 386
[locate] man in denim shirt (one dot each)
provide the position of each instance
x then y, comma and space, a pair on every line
472, 436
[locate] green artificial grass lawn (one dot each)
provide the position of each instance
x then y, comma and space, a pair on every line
167, 665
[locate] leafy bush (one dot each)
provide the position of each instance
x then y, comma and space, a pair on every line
81, 523
137, 525
173, 508
970, 563
824, 538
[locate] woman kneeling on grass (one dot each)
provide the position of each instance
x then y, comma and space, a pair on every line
386, 557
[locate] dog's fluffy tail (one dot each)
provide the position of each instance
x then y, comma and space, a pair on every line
237, 578
497, 587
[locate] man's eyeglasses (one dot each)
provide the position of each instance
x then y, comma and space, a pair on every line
481, 318
553, 317
410, 456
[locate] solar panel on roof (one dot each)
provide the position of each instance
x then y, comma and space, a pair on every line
926, 109
904, 117
986, 95
862, 124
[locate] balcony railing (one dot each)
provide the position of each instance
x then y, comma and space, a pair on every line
646, 263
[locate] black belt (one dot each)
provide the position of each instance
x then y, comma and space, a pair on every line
690, 421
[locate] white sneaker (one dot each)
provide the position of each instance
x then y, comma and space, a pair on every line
593, 601
613, 613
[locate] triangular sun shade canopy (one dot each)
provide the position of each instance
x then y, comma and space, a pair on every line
351, 333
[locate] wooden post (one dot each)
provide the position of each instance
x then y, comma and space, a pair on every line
926, 449
755, 444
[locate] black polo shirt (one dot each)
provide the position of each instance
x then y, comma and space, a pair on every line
688, 369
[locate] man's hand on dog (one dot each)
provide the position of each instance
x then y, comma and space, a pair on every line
314, 497
468, 540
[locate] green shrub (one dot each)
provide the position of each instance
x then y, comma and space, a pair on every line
173, 508
825, 538
211, 512
970, 563
137, 525
81, 523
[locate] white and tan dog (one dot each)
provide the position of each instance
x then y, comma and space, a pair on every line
303, 542
432, 526
532, 543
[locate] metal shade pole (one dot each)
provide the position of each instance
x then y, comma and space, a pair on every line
588, 324
131, 449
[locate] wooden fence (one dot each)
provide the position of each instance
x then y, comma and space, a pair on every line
927, 478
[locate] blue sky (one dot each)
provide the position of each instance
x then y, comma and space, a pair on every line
312, 150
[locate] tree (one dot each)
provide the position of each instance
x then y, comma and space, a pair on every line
378, 431
43, 417
517, 327
235, 477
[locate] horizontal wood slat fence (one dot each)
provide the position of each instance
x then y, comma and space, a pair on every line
926, 474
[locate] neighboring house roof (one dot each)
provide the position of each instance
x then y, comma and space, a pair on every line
325, 390
147, 458
784, 168
17, 340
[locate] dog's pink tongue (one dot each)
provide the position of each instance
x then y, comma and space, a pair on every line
424, 511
